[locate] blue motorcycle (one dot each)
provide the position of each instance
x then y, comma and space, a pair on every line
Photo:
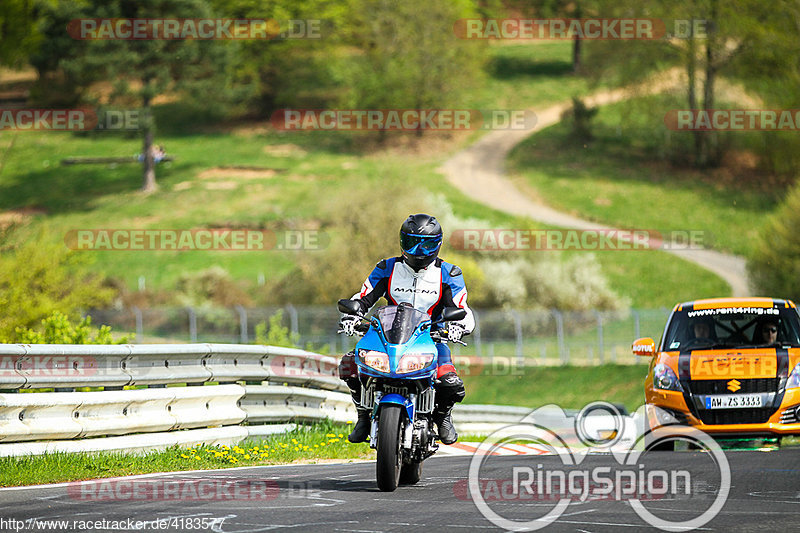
396, 361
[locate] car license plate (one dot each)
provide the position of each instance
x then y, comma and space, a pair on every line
733, 401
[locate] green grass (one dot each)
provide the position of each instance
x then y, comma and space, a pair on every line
311, 183
618, 179
570, 387
653, 279
304, 444
524, 76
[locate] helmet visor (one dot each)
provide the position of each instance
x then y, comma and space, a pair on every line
420, 244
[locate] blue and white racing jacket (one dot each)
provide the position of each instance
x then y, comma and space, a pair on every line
430, 290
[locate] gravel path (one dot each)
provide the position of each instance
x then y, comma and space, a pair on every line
479, 172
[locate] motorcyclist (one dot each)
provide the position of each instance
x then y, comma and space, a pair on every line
418, 277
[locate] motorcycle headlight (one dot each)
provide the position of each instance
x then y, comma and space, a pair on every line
664, 378
377, 360
411, 362
794, 378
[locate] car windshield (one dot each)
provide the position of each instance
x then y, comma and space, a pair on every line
399, 322
727, 327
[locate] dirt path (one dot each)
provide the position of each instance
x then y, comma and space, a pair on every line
479, 172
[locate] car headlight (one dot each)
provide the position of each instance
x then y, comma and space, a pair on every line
794, 378
664, 378
377, 360
411, 362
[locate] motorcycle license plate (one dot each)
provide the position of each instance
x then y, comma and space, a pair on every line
733, 401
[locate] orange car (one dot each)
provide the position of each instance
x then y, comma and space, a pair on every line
727, 366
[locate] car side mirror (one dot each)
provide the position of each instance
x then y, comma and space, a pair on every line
349, 307
644, 347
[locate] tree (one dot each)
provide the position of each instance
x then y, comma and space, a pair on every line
296, 70
60, 80
18, 36
575, 9
715, 38
147, 68
411, 57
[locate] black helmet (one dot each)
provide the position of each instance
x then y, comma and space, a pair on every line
420, 240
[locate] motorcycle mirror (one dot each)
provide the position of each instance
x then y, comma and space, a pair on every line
349, 307
453, 313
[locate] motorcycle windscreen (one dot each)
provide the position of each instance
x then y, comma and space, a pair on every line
399, 322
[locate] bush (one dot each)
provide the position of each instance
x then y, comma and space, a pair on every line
774, 266
362, 234
573, 284
38, 278
211, 286
58, 329
276, 334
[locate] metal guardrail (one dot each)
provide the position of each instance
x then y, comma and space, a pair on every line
64, 366
225, 385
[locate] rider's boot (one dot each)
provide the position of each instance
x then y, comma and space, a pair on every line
443, 420
363, 424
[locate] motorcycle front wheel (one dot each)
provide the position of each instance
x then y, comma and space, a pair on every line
390, 458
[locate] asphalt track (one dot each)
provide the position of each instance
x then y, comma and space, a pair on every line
764, 496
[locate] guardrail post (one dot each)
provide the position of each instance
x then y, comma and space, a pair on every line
636, 324
562, 352
242, 324
192, 324
600, 347
518, 329
293, 324
139, 327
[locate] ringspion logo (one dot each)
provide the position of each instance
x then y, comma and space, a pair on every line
549, 486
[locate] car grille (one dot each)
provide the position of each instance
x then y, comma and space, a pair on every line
720, 386
735, 416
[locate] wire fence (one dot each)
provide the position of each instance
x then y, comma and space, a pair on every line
547, 337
